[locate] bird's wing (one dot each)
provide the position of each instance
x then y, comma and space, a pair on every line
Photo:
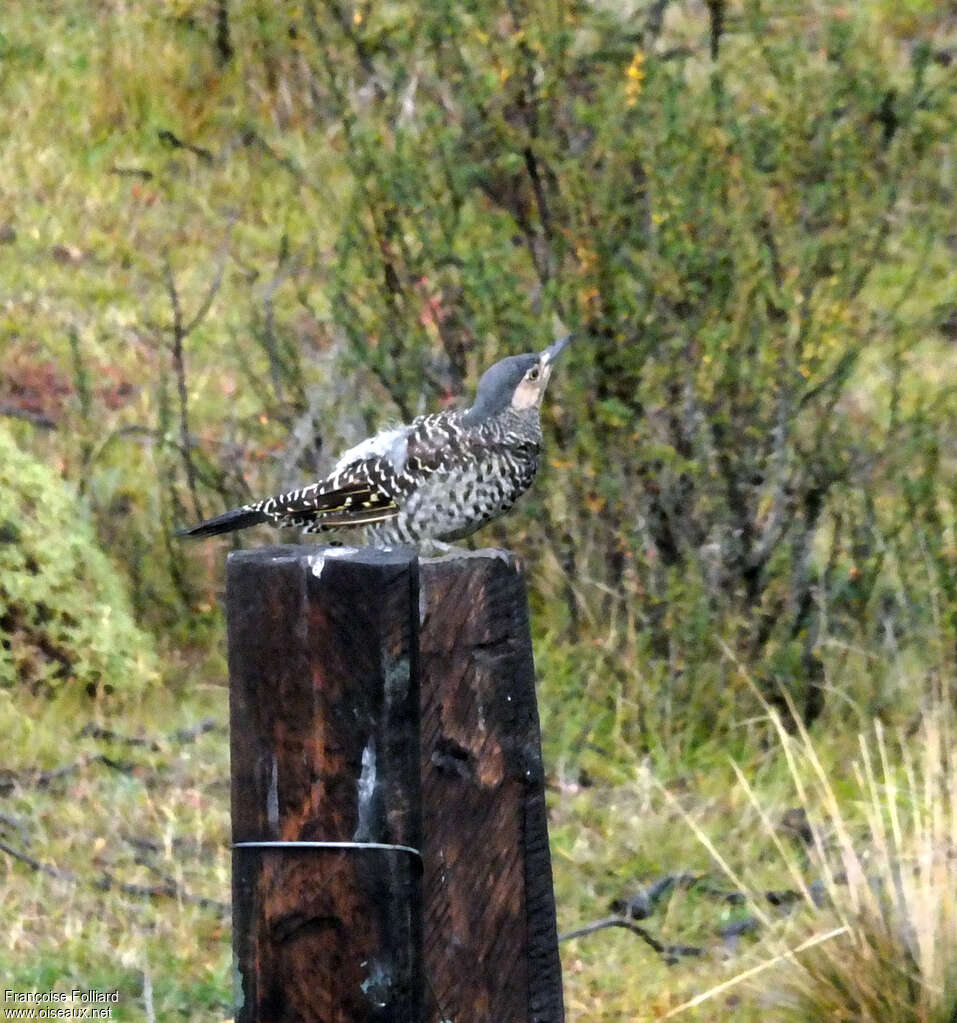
401, 452
346, 499
326, 504
359, 491
374, 476
430, 442
369, 481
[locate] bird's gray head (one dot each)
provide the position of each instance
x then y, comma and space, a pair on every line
517, 382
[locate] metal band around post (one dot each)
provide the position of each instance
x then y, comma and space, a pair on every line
328, 845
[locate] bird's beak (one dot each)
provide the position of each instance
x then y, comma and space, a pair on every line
553, 351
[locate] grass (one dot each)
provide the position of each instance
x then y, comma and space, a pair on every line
159, 817
870, 934
151, 817
86, 91
887, 859
93, 820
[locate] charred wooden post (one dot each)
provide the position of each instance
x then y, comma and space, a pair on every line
324, 712
491, 948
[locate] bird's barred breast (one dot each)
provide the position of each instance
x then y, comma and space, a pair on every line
452, 504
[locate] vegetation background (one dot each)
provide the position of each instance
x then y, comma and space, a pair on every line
237, 236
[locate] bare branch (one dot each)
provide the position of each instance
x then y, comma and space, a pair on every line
655, 20
215, 284
181, 329
716, 11
179, 366
177, 143
670, 952
37, 418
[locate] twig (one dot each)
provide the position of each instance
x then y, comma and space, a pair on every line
44, 779
182, 846
277, 365
655, 21
148, 1007
181, 329
180, 735
528, 103
33, 864
224, 54
172, 885
93, 731
251, 138
132, 172
169, 889
193, 733
109, 882
363, 54
37, 418
213, 290
643, 903
670, 952
179, 365
177, 143
716, 13
16, 825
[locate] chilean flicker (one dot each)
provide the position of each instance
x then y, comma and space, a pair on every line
433, 481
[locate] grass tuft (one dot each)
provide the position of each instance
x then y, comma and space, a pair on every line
881, 945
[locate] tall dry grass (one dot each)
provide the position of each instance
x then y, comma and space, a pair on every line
876, 938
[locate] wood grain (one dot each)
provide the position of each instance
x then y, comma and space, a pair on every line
324, 692
491, 950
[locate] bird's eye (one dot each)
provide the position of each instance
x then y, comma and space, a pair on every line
534, 373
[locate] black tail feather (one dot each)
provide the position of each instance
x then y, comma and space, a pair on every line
353, 504
238, 518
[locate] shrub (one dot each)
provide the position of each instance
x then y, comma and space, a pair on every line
742, 209
65, 621
726, 220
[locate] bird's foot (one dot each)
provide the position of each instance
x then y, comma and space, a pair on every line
438, 548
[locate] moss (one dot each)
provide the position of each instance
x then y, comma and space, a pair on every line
65, 618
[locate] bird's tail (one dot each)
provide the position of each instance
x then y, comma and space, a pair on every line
309, 508
238, 518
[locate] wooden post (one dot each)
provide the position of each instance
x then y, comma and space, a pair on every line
324, 691
491, 948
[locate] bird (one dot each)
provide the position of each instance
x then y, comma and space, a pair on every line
430, 482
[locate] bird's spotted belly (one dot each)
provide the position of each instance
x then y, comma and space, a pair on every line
450, 506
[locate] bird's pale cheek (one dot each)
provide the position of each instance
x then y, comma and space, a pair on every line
527, 395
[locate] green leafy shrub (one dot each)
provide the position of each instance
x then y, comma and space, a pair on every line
741, 208
744, 230
64, 614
